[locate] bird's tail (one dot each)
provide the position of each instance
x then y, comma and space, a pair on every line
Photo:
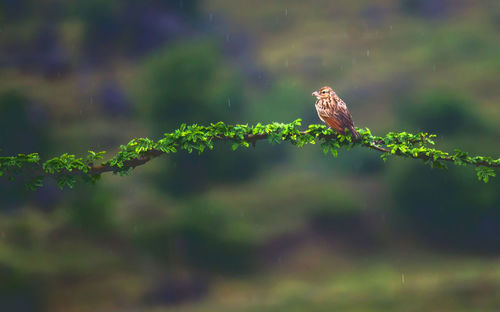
355, 133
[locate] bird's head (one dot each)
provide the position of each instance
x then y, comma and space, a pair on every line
323, 93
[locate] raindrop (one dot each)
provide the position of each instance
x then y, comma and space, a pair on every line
286, 62
286, 11
390, 28
210, 17
227, 37
368, 53
402, 278
353, 61
229, 102
434, 67
91, 100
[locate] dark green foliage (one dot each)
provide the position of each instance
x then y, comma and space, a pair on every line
20, 292
190, 82
447, 112
448, 210
92, 214
125, 27
195, 138
425, 8
21, 129
282, 100
202, 235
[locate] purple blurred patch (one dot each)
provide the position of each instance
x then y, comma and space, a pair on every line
176, 290
114, 100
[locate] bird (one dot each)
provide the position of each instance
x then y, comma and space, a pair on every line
333, 111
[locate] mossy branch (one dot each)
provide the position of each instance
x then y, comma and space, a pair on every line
67, 168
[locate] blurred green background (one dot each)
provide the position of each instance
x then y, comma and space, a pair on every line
271, 228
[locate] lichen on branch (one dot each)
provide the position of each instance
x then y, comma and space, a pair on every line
66, 169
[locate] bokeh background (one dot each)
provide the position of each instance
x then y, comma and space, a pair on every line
271, 228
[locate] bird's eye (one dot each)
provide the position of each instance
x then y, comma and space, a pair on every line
323, 91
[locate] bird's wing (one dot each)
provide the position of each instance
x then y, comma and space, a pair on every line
327, 114
335, 114
344, 118
342, 114
334, 124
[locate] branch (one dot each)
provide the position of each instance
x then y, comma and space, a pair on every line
66, 168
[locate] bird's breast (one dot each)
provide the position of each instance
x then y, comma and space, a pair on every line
324, 104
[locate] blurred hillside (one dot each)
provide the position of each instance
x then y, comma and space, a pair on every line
271, 228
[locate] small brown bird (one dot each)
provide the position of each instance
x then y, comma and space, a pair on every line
333, 111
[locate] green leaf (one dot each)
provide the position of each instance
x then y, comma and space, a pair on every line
484, 173
66, 167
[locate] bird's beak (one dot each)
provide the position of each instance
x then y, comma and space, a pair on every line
315, 93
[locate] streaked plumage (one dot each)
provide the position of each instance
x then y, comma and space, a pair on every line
333, 111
